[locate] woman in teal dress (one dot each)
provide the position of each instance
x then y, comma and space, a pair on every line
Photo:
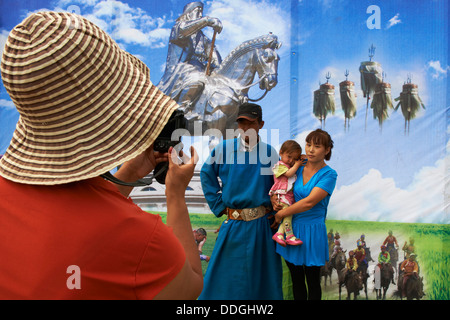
312, 190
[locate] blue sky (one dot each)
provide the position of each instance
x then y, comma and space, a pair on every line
383, 175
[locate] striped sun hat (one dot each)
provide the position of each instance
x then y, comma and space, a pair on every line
86, 106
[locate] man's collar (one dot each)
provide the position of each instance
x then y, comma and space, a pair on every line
245, 147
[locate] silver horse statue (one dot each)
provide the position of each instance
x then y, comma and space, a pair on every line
216, 106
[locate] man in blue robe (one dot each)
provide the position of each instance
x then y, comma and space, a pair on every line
243, 264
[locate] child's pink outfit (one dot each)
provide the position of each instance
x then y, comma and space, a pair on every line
283, 188
282, 184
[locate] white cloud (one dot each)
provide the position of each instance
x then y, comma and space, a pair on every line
374, 198
66, 3
7, 104
393, 21
124, 23
437, 71
131, 35
131, 25
3, 36
243, 20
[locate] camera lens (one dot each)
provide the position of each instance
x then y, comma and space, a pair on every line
160, 172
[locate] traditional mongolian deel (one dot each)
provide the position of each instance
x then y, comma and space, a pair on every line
244, 264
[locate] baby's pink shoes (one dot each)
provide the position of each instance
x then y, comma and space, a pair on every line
293, 241
277, 239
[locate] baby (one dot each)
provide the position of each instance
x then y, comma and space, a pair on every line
284, 172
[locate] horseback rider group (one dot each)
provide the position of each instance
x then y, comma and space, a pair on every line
358, 259
408, 268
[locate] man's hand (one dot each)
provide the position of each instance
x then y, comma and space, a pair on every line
276, 204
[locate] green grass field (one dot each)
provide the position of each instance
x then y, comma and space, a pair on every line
431, 242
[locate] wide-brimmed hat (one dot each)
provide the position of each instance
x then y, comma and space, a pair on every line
86, 106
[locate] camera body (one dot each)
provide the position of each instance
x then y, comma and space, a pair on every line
164, 142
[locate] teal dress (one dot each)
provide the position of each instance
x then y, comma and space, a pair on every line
309, 226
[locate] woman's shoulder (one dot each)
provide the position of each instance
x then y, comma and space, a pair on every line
327, 170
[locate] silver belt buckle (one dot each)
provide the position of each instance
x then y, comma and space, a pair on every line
235, 214
249, 214
253, 212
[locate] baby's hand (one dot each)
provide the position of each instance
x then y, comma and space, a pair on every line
303, 159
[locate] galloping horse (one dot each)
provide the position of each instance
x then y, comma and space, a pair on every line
325, 271
228, 85
362, 270
393, 253
386, 277
338, 263
353, 283
413, 287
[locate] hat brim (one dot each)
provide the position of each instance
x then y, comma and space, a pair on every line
86, 106
247, 117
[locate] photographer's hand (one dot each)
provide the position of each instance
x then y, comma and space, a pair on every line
190, 280
138, 168
181, 170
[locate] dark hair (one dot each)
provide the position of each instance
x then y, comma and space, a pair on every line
290, 146
321, 137
201, 231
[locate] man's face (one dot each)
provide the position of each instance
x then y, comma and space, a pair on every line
199, 237
250, 129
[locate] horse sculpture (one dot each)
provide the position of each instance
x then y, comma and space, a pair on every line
228, 85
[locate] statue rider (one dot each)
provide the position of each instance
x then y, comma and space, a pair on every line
188, 54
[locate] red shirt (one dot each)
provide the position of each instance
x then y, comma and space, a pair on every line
121, 251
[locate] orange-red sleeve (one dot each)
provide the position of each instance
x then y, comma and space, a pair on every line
162, 260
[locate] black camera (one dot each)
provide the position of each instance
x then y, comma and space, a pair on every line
161, 144
164, 142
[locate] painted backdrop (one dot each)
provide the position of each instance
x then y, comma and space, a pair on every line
389, 171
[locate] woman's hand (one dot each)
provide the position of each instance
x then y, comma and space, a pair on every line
140, 166
181, 170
